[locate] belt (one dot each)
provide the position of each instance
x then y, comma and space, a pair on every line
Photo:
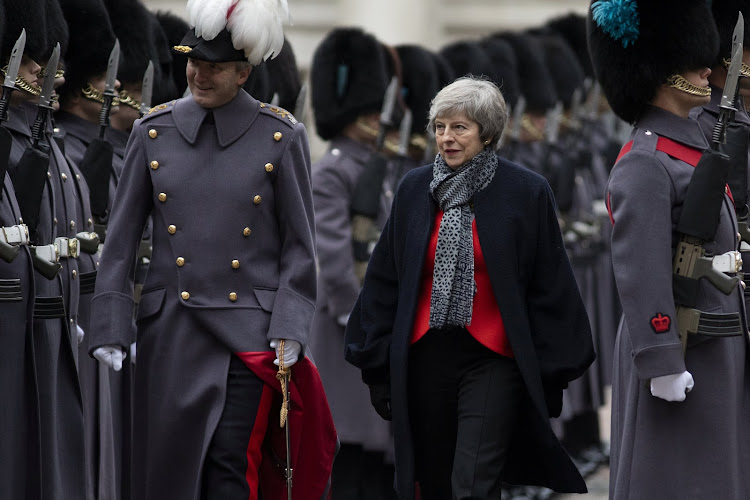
730, 262
49, 307
87, 282
67, 248
16, 235
88, 242
710, 324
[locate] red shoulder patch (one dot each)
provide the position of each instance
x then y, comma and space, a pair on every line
660, 323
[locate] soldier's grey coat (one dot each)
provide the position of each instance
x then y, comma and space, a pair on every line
533, 284
334, 179
237, 189
699, 448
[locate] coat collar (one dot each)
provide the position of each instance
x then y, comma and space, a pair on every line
741, 116
232, 120
686, 131
76, 126
353, 149
17, 121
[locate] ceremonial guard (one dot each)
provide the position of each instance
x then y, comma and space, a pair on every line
231, 285
349, 79
681, 385
19, 433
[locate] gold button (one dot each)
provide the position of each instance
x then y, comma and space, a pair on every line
185, 295
256, 199
277, 136
49, 175
152, 133
269, 167
172, 229
162, 197
233, 297
72, 224
154, 165
74, 273
246, 231
64, 177
78, 177
180, 261
90, 222
235, 264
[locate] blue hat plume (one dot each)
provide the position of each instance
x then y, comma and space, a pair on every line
618, 18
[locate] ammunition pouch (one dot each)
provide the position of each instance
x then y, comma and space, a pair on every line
696, 322
11, 239
88, 242
46, 260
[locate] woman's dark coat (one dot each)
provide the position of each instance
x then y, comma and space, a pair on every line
542, 310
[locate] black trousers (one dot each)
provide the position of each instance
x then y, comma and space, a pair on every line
463, 404
230, 471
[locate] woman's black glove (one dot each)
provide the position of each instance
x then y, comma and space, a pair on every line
553, 396
380, 397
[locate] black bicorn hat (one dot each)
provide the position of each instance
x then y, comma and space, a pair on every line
636, 46
572, 28
175, 28
20, 15
564, 68
349, 76
725, 14
505, 68
421, 82
536, 84
90, 43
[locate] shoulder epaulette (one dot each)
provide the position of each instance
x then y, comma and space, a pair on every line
279, 113
159, 109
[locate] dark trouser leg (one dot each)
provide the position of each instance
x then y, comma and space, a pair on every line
230, 471
488, 399
433, 393
348, 470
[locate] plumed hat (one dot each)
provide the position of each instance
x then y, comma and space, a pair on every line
349, 76
572, 28
421, 82
128, 18
536, 83
57, 29
91, 41
235, 30
20, 14
175, 28
566, 72
725, 15
284, 78
636, 46
505, 68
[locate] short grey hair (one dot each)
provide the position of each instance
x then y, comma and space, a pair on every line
479, 99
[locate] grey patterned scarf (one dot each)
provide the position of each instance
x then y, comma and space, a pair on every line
453, 285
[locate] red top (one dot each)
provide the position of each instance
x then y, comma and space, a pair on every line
486, 323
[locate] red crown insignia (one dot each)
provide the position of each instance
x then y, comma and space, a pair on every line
660, 323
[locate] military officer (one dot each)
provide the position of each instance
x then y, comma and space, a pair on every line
226, 180
653, 73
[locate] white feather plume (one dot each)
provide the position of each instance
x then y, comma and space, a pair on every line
208, 17
257, 27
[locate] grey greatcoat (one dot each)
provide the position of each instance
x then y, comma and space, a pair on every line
233, 266
334, 179
699, 448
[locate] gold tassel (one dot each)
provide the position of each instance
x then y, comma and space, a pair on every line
284, 375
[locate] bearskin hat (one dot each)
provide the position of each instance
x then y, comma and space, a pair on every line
174, 29
91, 41
284, 78
258, 83
57, 29
128, 17
162, 55
634, 50
725, 15
564, 68
536, 83
421, 82
572, 28
25, 14
349, 76
467, 58
505, 68
445, 72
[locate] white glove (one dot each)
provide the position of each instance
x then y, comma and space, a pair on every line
79, 333
672, 387
292, 348
110, 355
132, 353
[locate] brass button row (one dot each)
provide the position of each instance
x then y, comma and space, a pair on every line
186, 295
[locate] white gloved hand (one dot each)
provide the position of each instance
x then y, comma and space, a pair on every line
292, 349
79, 333
672, 387
110, 355
132, 353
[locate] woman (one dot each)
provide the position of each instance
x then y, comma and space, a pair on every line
466, 346
673, 405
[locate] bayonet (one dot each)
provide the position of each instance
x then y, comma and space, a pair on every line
299, 105
9, 83
274, 99
592, 102
387, 112
45, 99
109, 88
729, 93
518, 112
404, 133
552, 126
147, 88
